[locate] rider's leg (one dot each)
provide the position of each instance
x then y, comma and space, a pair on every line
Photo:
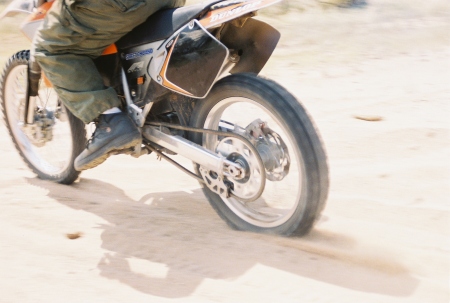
75, 32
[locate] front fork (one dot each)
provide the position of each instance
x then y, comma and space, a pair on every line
38, 122
34, 76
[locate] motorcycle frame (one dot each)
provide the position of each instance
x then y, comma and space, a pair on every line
227, 18
224, 23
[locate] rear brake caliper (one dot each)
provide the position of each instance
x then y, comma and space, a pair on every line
272, 149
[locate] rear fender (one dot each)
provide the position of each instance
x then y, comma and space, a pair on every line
228, 10
254, 43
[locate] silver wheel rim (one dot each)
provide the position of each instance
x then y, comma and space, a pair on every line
55, 156
280, 199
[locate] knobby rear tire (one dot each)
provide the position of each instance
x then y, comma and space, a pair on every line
286, 108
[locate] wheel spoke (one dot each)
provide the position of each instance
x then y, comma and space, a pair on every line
54, 156
280, 199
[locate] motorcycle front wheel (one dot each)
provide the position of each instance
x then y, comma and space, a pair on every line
50, 144
296, 170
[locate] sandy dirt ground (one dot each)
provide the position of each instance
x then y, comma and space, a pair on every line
149, 235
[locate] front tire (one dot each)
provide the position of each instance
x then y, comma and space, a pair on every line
50, 158
287, 206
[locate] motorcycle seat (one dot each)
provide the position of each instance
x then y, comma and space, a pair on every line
163, 24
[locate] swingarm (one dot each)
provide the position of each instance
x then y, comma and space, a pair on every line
220, 170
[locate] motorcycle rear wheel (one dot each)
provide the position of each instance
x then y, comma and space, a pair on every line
287, 206
51, 159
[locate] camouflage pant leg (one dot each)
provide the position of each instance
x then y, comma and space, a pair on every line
76, 31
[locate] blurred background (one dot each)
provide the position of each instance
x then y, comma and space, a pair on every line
374, 75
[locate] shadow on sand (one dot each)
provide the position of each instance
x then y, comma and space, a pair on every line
182, 232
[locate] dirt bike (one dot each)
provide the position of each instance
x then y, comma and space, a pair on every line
189, 79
